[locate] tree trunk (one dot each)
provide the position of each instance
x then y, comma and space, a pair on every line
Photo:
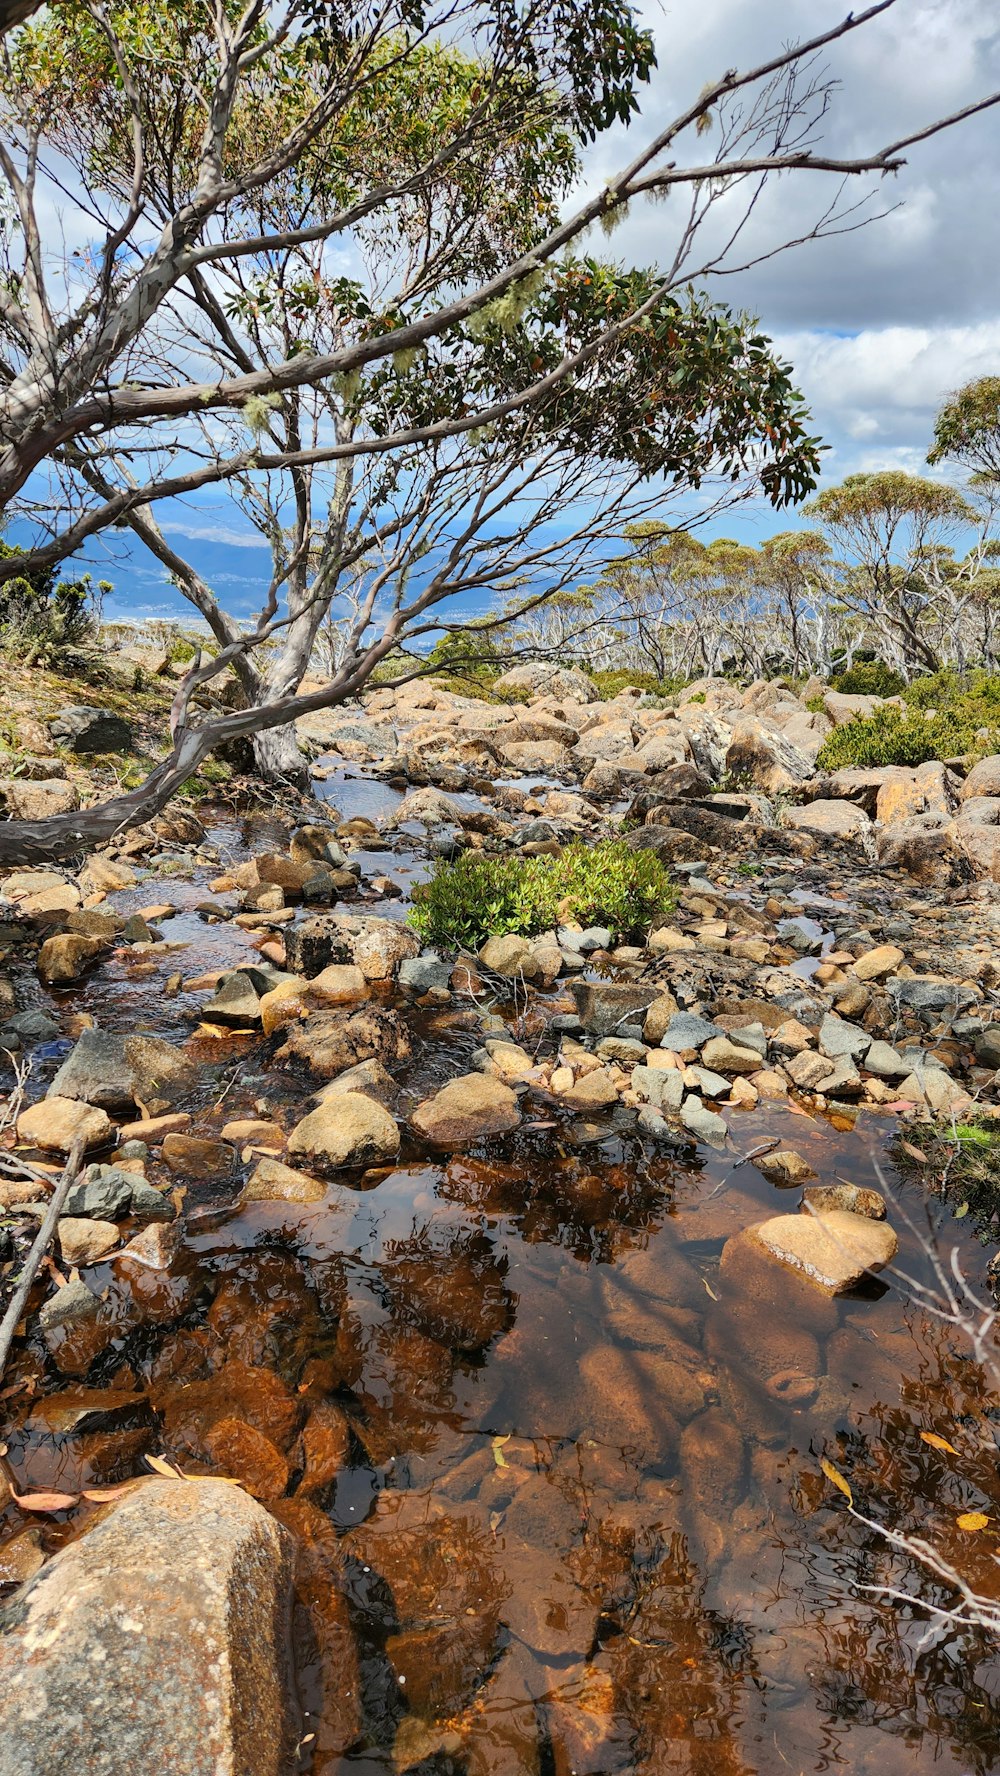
278, 758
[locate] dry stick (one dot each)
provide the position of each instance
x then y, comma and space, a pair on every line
8, 1326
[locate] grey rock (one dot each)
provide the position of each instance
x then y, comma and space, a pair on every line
604, 1006
688, 1030
751, 1036
801, 935
85, 729
103, 1194
930, 999
33, 1026
597, 937
704, 1124
424, 973
67, 1306
148, 1203
662, 1086
844, 1078
711, 1085
987, 1048
651, 1122
154, 1642
838, 1038
886, 1062
566, 1023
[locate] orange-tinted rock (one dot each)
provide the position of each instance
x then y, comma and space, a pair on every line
256, 1396
194, 1156
241, 1452
325, 1438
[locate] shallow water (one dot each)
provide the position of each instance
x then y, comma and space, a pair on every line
554, 1472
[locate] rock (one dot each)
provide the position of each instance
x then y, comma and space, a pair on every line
375, 946
935, 1088
704, 1124
922, 847
904, 795
930, 998
55, 1123
468, 1109
687, 1032
592, 1091
885, 1062
562, 682
987, 1046
274, 1182
764, 757
156, 1638
425, 974
85, 729
238, 995
103, 875
103, 1193
843, 708
807, 1070
330, 1042
784, 1167
838, 1038
369, 1078
116, 1072
838, 819
346, 1130
662, 1086
24, 799
64, 957
834, 1250
67, 1307
855, 1198
85, 1241
506, 955
876, 964
340, 984
729, 1057
983, 780
195, 1156
604, 1006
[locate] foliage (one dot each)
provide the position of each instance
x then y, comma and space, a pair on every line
612, 682
477, 897
869, 678
44, 620
967, 429
945, 716
474, 649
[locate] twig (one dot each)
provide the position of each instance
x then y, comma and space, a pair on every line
9, 1324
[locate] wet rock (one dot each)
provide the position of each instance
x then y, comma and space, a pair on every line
274, 1182
713, 1473
325, 1442
834, 1251
196, 1156
116, 1072
67, 1307
32, 1026
347, 1129
104, 1192
21, 1557
162, 1626
339, 984
369, 1078
470, 1108
627, 1400
704, 1124
855, 1198
243, 1453
784, 1167
154, 1247
55, 1123
83, 728
605, 1006
64, 957
375, 946
238, 995
423, 974
331, 1042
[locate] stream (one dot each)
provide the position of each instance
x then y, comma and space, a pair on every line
554, 1468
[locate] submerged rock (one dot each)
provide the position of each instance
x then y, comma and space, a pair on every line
158, 1639
834, 1250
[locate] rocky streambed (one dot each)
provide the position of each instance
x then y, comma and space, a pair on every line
522, 1293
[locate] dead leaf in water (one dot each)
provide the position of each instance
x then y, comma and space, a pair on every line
98, 1494
160, 1465
961, 1213
836, 1479
708, 1289
970, 1521
45, 1501
938, 1442
498, 1454
914, 1152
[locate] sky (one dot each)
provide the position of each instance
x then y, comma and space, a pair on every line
880, 324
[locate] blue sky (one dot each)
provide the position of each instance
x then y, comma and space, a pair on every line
880, 325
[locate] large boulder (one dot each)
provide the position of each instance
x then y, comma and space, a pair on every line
923, 848
347, 1129
155, 1641
975, 835
541, 676
761, 755
983, 780
330, 1042
841, 820
833, 1250
85, 729
929, 789
842, 708
607, 741
22, 799
376, 946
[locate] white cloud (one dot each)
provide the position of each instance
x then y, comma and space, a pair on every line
215, 533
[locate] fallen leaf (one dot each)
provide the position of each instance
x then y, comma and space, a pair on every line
708, 1289
938, 1442
215, 1030
45, 1501
836, 1479
972, 1520
498, 1454
797, 1110
160, 1465
98, 1494
962, 1212
914, 1152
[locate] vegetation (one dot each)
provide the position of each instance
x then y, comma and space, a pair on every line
945, 716
477, 897
869, 678
45, 621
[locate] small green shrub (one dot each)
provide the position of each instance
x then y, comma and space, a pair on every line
44, 621
816, 705
610, 683
890, 737
477, 897
869, 678
699, 697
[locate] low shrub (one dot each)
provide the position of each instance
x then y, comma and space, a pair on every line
892, 737
45, 621
610, 683
869, 678
477, 897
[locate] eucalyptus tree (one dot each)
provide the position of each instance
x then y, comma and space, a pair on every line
198, 153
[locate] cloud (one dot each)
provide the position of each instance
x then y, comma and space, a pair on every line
215, 533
